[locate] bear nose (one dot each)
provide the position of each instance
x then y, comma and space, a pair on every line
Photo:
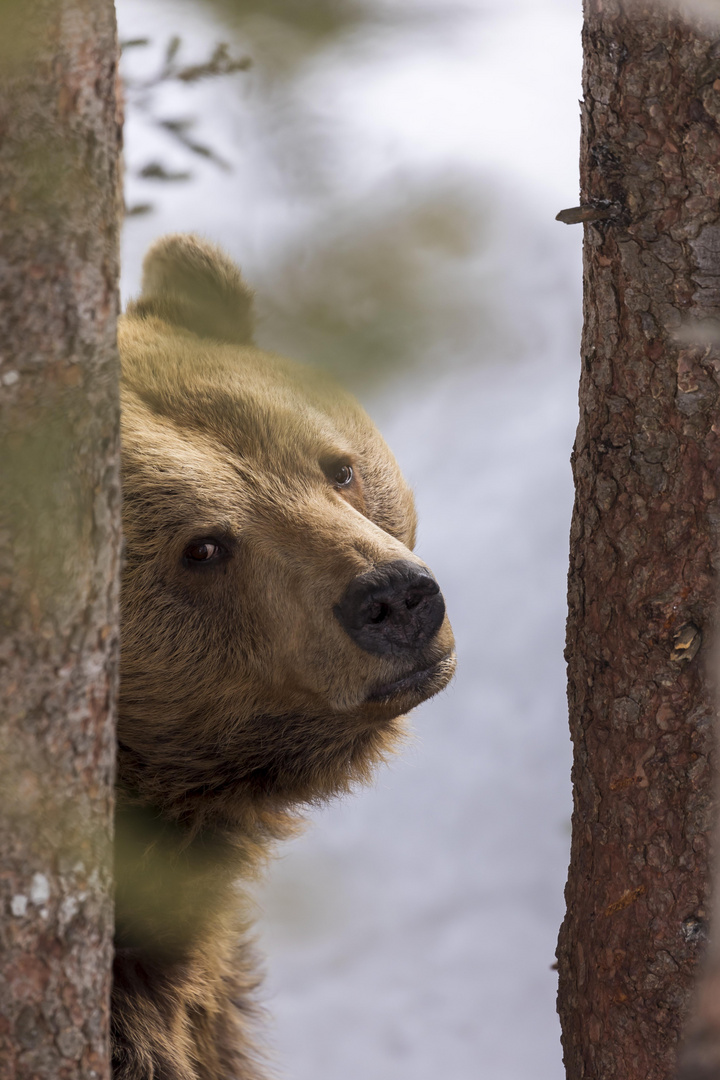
393, 610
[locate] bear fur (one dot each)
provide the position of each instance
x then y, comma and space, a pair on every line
276, 627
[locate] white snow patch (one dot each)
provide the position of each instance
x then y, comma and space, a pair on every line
18, 905
40, 889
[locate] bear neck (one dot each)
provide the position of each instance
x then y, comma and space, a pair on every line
176, 879
253, 796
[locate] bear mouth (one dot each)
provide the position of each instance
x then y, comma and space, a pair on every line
420, 684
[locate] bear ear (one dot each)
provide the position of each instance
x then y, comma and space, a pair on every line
191, 283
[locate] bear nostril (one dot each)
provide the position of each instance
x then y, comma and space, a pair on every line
378, 613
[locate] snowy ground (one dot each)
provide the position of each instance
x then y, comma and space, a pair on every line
411, 931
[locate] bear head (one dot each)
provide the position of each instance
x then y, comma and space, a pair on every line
276, 625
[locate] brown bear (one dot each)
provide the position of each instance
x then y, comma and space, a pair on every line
276, 627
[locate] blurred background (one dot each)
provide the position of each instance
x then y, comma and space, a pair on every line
387, 173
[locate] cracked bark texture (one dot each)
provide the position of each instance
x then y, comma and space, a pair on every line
59, 532
644, 538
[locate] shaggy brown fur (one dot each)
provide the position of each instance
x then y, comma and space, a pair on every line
242, 697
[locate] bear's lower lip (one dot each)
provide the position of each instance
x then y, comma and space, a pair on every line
422, 684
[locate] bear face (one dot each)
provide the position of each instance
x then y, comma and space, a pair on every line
275, 623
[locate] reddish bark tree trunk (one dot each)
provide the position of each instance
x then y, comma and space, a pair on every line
644, 540
59, 532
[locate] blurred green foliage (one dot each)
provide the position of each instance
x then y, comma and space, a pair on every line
362, 282
388, 282
289, 33
140, 96
314, 22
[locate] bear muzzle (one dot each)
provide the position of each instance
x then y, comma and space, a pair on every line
394, 610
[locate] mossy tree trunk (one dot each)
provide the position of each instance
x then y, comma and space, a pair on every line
644, 540
59, 532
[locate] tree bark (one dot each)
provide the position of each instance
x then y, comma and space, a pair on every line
59, 532
644, 540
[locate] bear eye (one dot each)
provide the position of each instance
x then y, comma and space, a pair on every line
203, 551
338, 470
343, 475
